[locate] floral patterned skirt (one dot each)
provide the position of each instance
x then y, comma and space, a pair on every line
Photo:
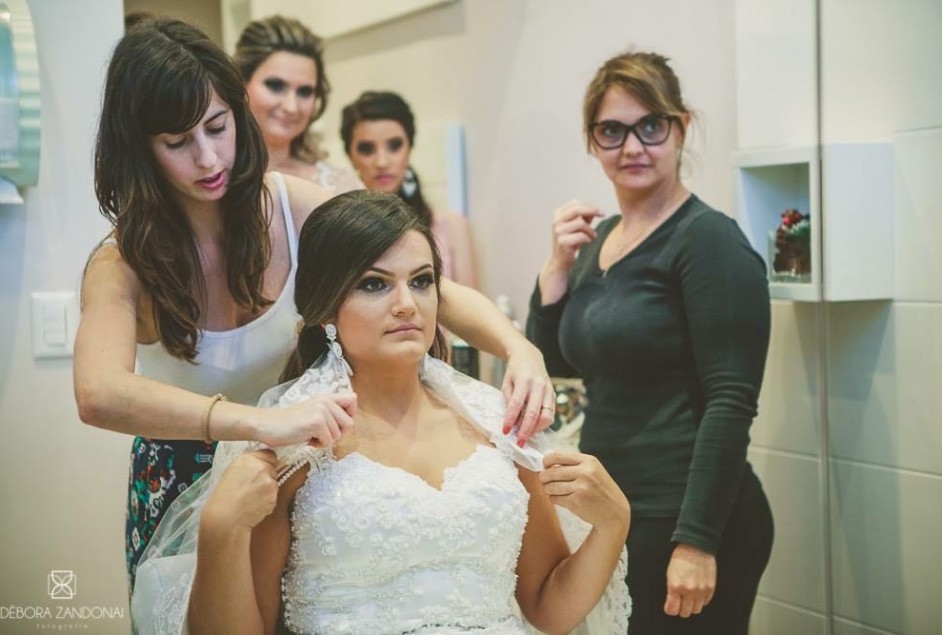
160, 471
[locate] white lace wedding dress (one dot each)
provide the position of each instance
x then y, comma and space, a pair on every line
420, 560
376, 549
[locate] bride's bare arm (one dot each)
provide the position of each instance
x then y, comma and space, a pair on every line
271, 542
244, 538
556, 589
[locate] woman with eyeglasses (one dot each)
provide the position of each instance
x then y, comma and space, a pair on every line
663, 311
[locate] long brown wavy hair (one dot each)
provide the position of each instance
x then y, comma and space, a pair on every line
338, 244
160, 80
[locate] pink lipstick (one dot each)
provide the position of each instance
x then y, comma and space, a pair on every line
215, 181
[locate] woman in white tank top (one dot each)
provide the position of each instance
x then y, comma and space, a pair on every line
194, 289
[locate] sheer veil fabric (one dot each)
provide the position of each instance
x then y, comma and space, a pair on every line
161, 595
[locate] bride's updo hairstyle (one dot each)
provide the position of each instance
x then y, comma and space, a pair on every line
339, 242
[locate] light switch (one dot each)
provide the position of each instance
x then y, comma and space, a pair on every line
54, 318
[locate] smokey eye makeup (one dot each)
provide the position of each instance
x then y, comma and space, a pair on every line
371, 284
275, 85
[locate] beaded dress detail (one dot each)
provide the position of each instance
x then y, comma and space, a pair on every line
376, 549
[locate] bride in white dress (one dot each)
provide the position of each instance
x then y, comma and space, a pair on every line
414, 513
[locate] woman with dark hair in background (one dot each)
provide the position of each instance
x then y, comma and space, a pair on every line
193, 288
282, 64
378, 132
663, 310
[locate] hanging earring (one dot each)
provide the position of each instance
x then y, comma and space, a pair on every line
334, 349
409, 184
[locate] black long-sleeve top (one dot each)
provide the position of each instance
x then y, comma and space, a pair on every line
671, 344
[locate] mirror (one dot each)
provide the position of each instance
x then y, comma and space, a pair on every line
19, 99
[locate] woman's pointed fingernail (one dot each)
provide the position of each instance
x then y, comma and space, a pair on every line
521, 442
506, 428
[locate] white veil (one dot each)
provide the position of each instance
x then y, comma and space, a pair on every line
165, 572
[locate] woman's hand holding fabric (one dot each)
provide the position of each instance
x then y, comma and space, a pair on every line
528, 390
320, 421
691, 581
246, 493
579, 483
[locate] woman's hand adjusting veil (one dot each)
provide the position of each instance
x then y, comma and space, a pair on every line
528, 390
320, 421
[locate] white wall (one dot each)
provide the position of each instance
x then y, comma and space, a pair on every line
61, 483
206, 14
884, 398
877, 442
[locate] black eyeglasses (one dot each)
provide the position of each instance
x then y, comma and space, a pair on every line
651, 130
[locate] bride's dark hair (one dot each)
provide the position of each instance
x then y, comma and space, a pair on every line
339, 242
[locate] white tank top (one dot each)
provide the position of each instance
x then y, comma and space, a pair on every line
243, 362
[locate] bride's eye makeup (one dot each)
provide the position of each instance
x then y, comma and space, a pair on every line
423, 281
372, 284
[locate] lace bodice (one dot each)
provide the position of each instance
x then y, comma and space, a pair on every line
376, 549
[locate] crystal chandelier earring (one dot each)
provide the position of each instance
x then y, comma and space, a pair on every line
334, 349
409, 184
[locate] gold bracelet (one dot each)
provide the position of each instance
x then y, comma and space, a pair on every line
209, 410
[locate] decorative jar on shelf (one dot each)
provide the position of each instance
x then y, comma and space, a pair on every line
790, 249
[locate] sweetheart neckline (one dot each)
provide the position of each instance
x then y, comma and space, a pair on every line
447, 473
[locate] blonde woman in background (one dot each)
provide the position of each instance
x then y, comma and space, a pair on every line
282, 64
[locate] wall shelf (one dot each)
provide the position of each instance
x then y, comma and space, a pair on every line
850, 210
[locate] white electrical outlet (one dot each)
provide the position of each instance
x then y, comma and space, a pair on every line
54, 319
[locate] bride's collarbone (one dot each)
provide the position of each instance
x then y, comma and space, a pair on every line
426, 453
